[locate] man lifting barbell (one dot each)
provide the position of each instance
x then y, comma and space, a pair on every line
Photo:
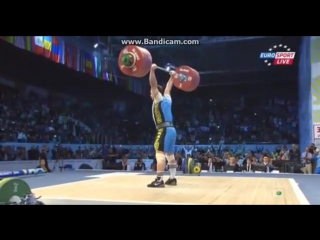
137, 62
166, 133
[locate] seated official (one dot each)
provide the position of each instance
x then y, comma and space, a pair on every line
178, 158
44, 165
267, 166
124, 163
248, 167
139, 165
232, 165
154, 165
211, 166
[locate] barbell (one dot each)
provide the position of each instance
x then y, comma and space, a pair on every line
12, 188
136, 61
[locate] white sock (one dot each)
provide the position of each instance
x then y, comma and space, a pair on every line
159, 178
173, 172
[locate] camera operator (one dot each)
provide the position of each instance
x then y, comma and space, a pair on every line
54, 153
2, 154
110, 160
58, 156
294, 154
312, 150
33, 153
43, 154
306, 160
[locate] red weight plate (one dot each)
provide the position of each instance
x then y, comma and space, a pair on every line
125, 70
187, 86
138, 72
136, 51
148, 61
146, 65
196, 80
140, 68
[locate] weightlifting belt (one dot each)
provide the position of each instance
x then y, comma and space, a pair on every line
164, 124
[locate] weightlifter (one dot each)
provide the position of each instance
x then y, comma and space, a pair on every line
166, 133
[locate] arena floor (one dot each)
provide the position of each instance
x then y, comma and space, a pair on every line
91, 187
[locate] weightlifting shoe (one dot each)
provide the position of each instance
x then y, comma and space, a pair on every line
156, 184
171, 182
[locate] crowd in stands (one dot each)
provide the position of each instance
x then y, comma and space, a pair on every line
27, 116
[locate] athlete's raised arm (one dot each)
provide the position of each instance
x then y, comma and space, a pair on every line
153, 81
167, 91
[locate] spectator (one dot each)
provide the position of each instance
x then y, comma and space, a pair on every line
317, 161
306, 160
220, 120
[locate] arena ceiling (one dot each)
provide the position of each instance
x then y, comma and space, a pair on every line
219, 59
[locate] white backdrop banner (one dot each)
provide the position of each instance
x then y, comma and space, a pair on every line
72, 164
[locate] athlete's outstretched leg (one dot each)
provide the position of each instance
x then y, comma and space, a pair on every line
161, 164
173, 169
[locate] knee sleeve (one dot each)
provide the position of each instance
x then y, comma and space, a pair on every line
161, 157
171, 161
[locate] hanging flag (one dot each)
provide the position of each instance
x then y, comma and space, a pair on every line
47, 45
62, 55
109, 70
95, 70
37, 44
75, 58
55, 49
89, 64
98, 67
129, 85
68, 53
105, 76
114, 72
19, 42
9, 39
28, 43
82, 62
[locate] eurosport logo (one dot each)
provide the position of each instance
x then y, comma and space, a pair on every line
278, 55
